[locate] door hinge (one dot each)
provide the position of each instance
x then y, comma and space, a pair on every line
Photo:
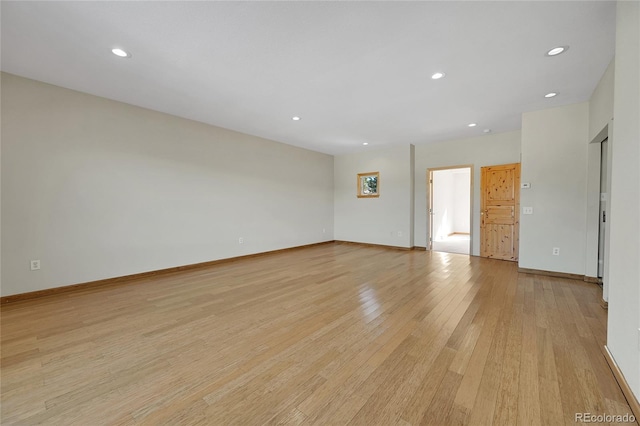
604, 216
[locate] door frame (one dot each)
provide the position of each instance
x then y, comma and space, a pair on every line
593, 207
603, 207
430, 171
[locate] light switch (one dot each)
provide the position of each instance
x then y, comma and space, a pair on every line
527, 210
525, 185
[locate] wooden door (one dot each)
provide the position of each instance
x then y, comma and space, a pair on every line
500, 211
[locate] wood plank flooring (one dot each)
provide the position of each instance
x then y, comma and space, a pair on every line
328, 335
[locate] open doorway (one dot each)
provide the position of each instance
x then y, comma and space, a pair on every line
450, 209
598, 218
604, 148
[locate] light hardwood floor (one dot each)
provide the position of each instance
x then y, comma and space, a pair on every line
329, 335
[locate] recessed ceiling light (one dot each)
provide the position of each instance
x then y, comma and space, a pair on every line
472, 124
487, 130
557, 50
437, 75
550, 95
296, 118
365, 143
122, 53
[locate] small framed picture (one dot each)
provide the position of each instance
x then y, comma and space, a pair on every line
368, 185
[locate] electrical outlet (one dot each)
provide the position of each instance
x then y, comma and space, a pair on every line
527, 210
35, 265
240, 240
399, 233
556, 251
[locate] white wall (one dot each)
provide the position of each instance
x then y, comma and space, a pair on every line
451, 202
384, 220
96, 189
0, 188
443, 204
554, 161
623, 337
462, 206
502, 148
601, 102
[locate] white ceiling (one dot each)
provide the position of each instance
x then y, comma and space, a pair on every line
354, 71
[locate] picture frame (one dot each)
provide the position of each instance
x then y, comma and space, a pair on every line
368, 185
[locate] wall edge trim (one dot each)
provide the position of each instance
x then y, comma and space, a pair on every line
127, 278
552, 274
357, 243
622, 382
